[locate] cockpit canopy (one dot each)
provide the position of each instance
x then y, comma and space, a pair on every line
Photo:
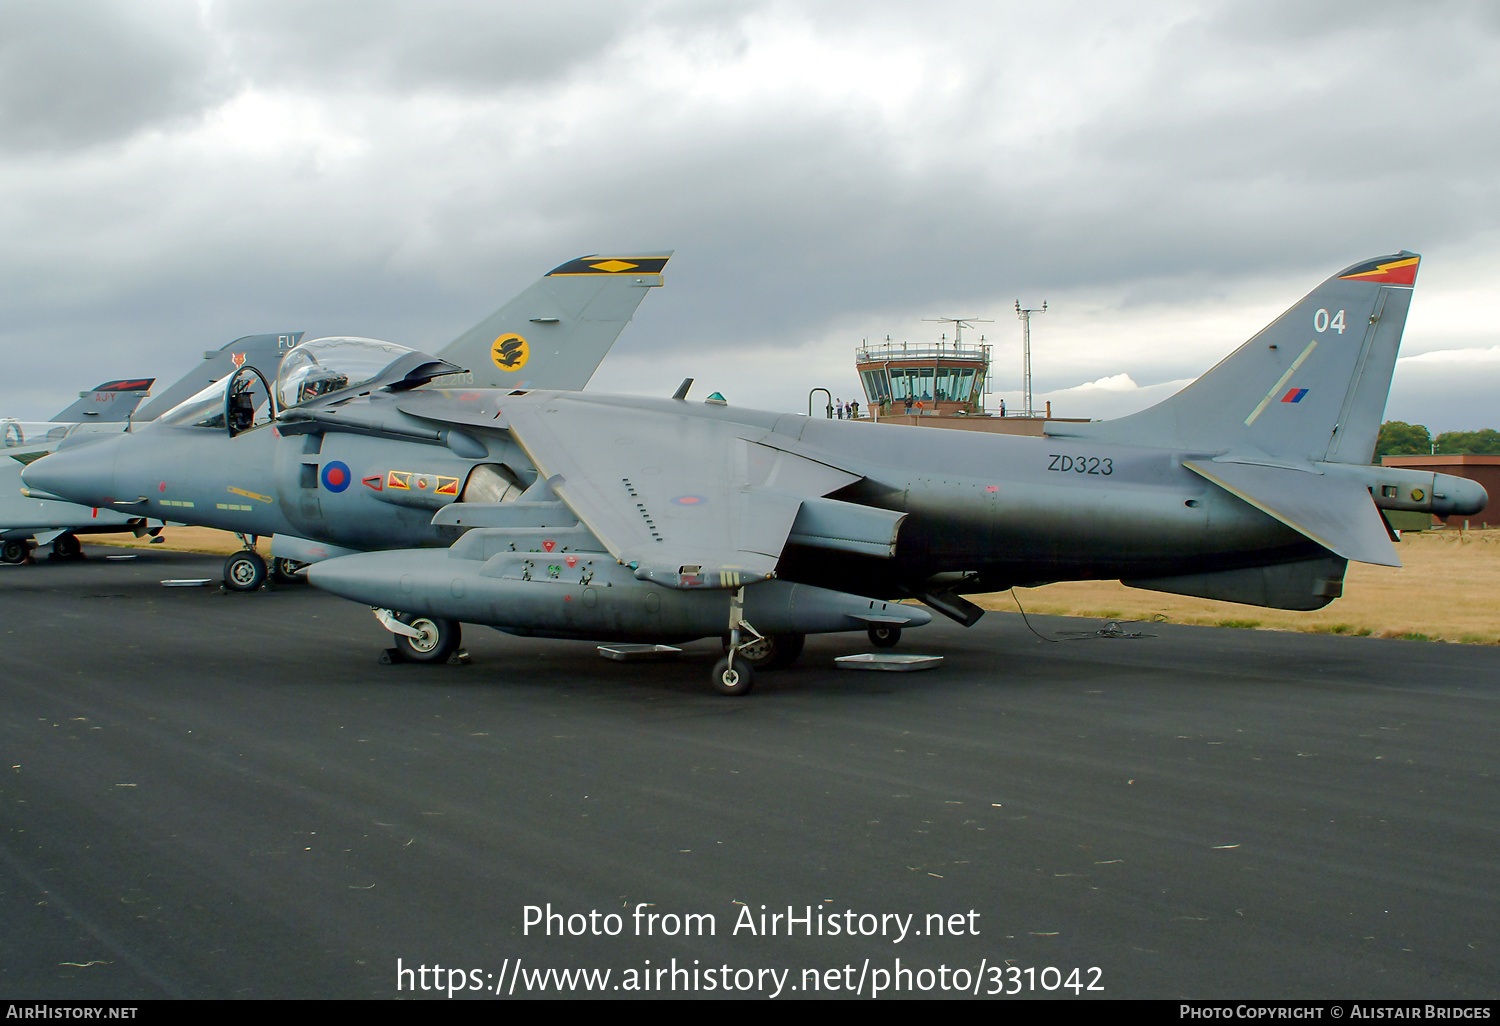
325, 365
204, 409
16, 433
315, 368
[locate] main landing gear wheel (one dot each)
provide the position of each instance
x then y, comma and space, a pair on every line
882, 636
284, 571
13, 552
738, 680
771, 652
244, 571
67, 546
437, 639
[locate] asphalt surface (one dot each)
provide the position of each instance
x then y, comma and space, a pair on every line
227, 795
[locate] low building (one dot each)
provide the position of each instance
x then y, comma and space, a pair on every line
1482, 469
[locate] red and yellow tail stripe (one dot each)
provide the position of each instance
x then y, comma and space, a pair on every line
1402, 271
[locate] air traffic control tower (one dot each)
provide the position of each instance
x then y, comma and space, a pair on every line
945, 383
946, 378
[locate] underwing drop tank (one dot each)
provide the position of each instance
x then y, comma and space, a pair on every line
583, 595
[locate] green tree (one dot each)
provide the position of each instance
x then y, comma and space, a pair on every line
1479, 443
1398, 438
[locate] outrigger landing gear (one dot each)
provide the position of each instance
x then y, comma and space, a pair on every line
421, 639
732, 678
884, 636
733, 674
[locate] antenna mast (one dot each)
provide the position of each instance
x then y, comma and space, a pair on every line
1025, 316
959, 324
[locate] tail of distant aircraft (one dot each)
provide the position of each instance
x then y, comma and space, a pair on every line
557, 332
1311, 386
110, 402
263, 352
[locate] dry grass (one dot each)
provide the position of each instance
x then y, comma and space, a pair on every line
1447, 589
180, 539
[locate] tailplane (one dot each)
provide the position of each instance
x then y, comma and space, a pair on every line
555, 334
1311, 386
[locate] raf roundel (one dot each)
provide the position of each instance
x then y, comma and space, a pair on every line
336, 476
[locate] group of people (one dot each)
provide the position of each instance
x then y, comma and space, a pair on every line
841, 410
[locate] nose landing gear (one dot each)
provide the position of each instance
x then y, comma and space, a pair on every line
244, 571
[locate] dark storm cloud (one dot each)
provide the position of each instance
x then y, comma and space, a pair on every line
84, 72
469, 46
1214, 154
823, 170
1332, 118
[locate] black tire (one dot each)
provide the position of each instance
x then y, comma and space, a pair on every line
772, 652
440, 639
735, 682
244, 571
882, 636
789, 649
67, 546
284, 571
12, 552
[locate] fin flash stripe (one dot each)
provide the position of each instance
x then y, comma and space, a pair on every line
1391, 272
1280, 384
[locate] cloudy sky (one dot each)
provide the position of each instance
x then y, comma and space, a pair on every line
1168, 176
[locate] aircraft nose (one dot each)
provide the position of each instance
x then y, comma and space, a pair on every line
84, 474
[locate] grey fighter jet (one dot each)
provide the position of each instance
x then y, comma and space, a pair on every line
31, 518
26, 522
216, 459
579, 515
